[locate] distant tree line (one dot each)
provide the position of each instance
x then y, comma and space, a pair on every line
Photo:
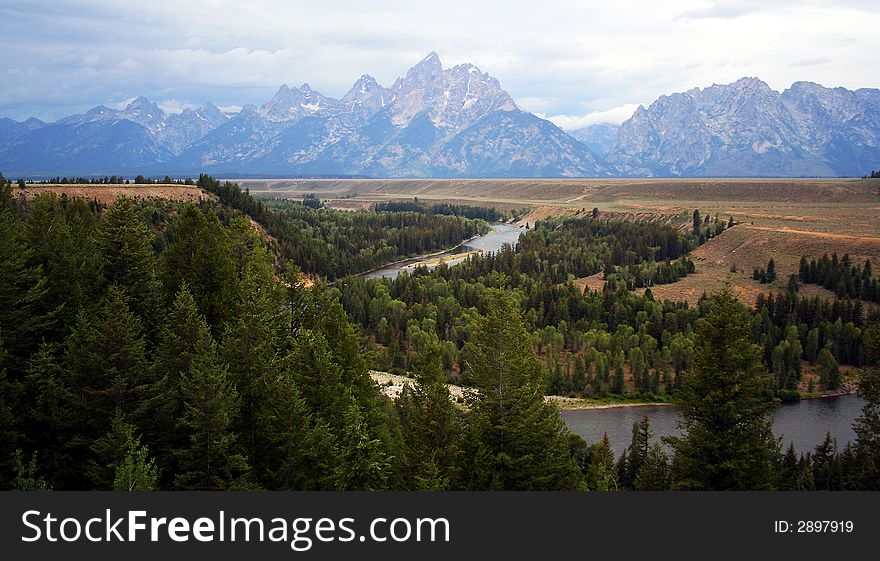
334, 243
113, 180
467, 211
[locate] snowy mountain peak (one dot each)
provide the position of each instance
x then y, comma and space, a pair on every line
748, 129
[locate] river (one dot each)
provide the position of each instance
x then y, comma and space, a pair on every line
803, 422
501, 234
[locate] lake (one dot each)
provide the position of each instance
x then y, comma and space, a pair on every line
803, 422
493, 241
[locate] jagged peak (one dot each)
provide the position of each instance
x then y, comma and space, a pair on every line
139, 101
429, 65
431, 58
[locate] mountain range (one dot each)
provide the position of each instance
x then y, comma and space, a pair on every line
460, 122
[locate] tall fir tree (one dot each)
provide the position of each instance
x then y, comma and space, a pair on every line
200, 255
729, 443
210, 461
867, 425
185, 340
430, 424
128, 260
517, 441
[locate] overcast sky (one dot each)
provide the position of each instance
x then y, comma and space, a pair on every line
575, 62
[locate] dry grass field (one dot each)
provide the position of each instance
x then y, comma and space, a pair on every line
106, 194
779, 218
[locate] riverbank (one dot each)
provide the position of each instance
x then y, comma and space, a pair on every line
392, 385
581, 403
417, 259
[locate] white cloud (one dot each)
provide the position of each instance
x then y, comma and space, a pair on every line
614, 116
174, 107
120, 105
570, 58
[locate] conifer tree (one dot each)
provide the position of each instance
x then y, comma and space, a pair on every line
185, 339
517, 440
302, 452
430, 424
61, 240
210, 461
653, 475
119, 460
826, 465
729, 442
23, 287
200, 256
106, 368
602, 474
363, 464
867, 425
126, 247
637, 454
254, 346
137, 471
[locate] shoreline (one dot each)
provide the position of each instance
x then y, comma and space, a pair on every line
581, 404
417, 258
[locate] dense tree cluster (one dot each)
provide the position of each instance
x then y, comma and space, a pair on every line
196, 367
466, 211
728, 444
158, 345
592, 343
334, 243
842, 276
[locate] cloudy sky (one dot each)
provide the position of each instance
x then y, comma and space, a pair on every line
574, 61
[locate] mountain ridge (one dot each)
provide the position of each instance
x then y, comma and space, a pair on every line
460, 122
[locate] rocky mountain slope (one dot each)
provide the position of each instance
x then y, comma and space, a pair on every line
432, 122
460, 122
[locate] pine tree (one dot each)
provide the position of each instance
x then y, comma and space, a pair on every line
126, 247
120, 462
517, 440
637, 453
60, 237
654, 473
185, 340
826, 465
602, 473
729, 442
252, 347
210, 461
9, 435
771, 271
106, 369
867, 425
23, 288
363, 464
430, 424
200, 255
302, 453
